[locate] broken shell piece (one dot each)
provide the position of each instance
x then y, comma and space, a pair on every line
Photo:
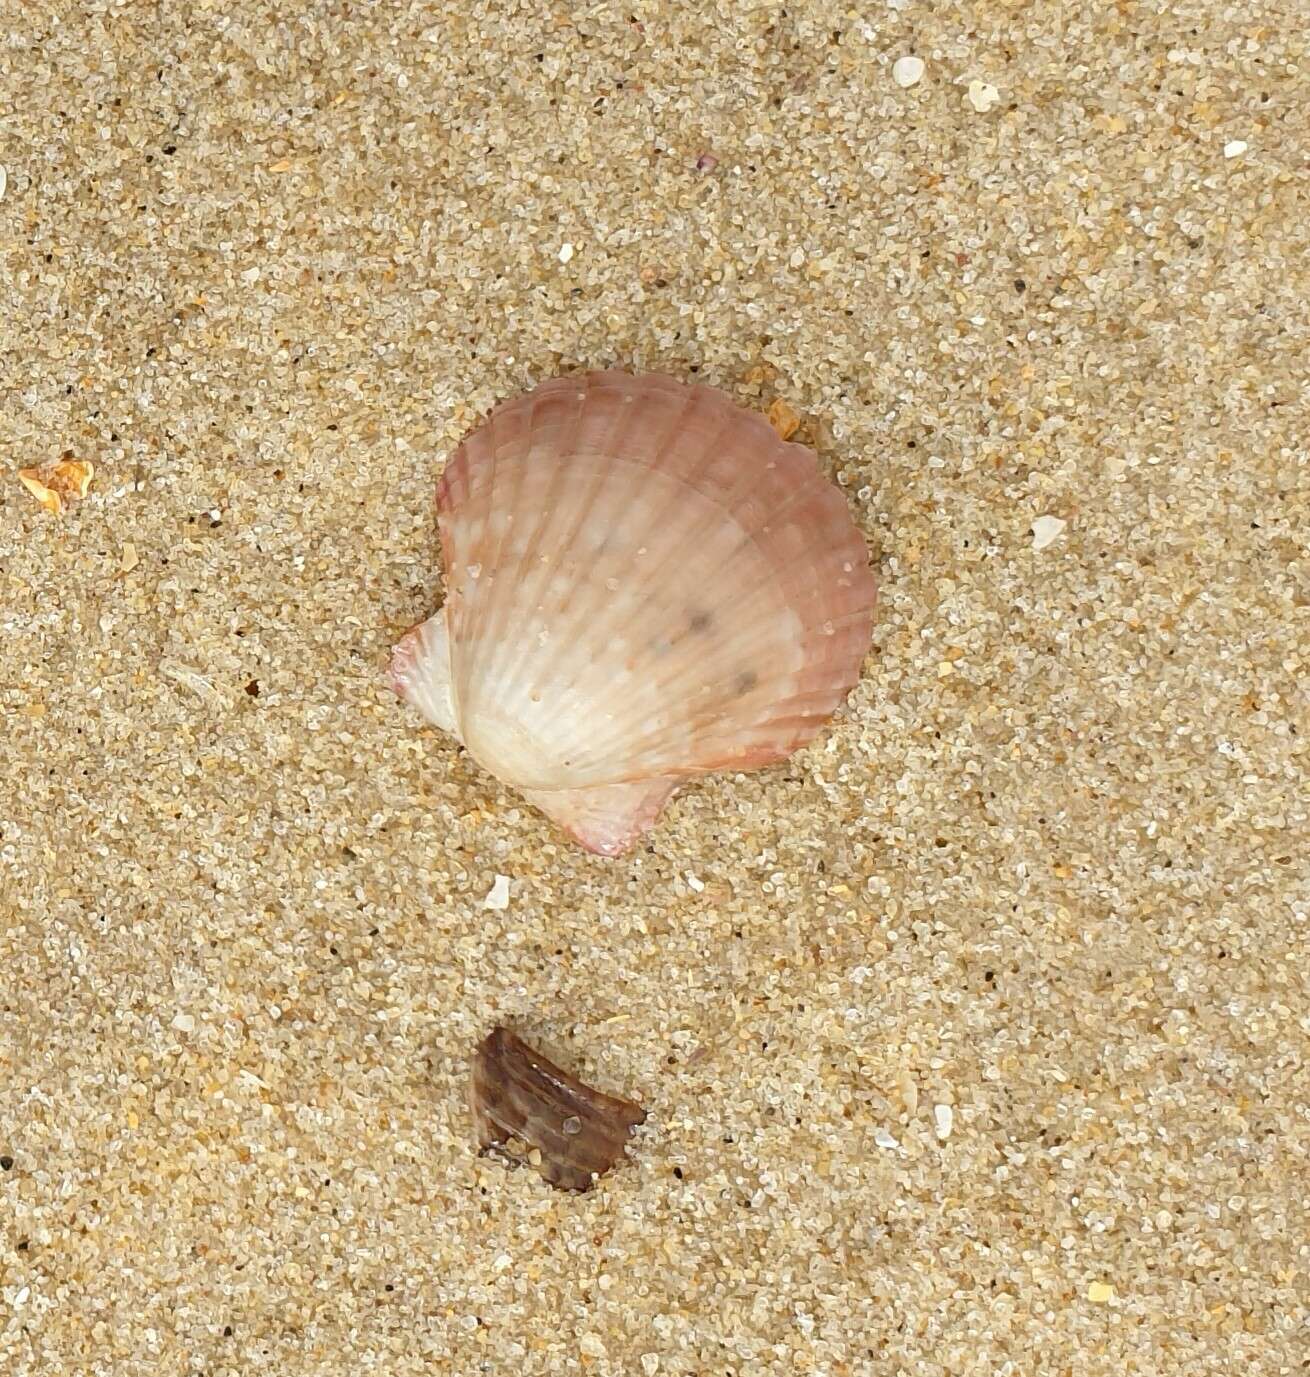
56, 484
907, 71
784, 419
578, 1132
1046, 530
645, 583
983, 96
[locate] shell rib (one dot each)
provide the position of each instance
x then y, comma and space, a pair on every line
644, 584
517, 1093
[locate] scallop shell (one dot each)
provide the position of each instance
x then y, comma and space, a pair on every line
517, 1093
644, 584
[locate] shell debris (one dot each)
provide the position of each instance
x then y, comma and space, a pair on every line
574, 1132
907, 71
983, 96
57, 485
784, 419
498, 895
943, 1120
1047, 530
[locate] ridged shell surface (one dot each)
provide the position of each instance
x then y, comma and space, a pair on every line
644, 583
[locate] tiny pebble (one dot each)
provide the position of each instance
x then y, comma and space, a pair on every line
565, 252
707, 162
695, 882
184, 1023
572, 1126
1047, 529
1100, 1293
21, 1298
885, 1139
498, 894
983, 96
907, 71
592, 1346
650, 1364
4, 182
944, 1117
1234, 148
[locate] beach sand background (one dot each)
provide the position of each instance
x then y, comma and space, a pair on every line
974, 1039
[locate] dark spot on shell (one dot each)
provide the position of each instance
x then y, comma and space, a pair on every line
700, 621
745, 681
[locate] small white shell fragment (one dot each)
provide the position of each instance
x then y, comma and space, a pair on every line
184, 1023
885, 1139
1100, 1293
1047, 529
983, 96
907, 71
944, 1119
1234, 148
4, 182
565, 252
695, 882
498, 895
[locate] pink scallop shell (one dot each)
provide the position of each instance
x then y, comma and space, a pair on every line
644, 584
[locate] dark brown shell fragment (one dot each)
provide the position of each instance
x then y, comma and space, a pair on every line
517, 1093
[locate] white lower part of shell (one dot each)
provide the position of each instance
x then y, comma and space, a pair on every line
609, 818
420, 672
606, 819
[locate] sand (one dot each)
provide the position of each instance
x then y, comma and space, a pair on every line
974, 1039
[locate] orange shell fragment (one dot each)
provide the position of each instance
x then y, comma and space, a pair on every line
57, 484
784, 419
